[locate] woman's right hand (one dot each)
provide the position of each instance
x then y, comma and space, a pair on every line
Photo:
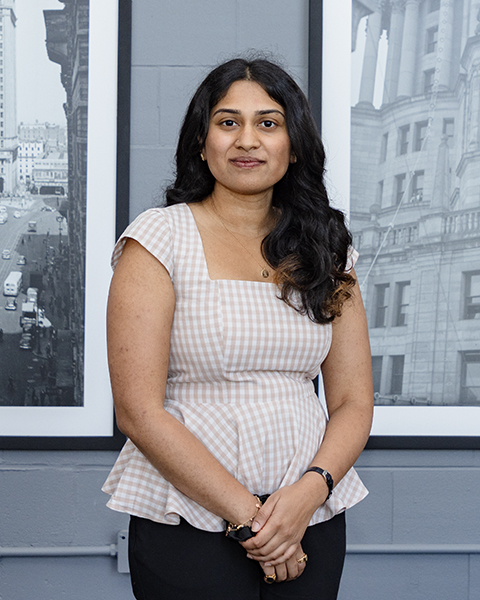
290, 569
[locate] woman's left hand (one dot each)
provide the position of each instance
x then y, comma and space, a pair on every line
283, 519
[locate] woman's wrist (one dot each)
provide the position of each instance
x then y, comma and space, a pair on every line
245, 509
242, 532
325, 475
315, 487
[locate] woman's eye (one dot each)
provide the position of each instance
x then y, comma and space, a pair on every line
229, 123
268, 124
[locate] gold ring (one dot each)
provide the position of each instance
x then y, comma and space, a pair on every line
302, 559
270, 578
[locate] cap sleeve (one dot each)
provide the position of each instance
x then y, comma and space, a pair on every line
152, 230
352, 258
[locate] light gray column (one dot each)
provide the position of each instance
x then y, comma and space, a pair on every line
369, 68
474, 112
409, 49
444, 44
395, 33
441, 185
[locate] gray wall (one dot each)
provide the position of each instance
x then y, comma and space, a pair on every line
175, 44
54, 498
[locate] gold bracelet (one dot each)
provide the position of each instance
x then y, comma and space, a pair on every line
234, 527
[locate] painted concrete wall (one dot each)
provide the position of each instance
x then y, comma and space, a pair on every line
175, 44
54, 498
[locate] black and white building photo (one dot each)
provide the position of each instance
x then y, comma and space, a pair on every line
415, 195
43, 157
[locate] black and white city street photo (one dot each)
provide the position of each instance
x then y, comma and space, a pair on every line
43, 149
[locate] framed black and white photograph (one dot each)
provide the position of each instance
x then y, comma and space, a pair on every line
61, 71
400, 97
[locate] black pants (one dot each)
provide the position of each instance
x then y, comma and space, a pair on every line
180, 562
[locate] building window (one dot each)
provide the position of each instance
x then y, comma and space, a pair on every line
417, 186
410, 233
380, 193
377, 373
448, 127
402, 300
470, 378
433, 5
403, 135
420, 133
399, 187
381, 304
472, 295
428, 81
431, 40
396, 382
383, 151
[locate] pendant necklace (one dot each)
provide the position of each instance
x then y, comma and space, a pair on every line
264, 271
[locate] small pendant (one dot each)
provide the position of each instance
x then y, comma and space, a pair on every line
265, 273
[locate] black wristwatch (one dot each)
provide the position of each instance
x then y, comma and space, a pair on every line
326, 475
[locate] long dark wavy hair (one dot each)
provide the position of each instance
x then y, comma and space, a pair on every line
308, 246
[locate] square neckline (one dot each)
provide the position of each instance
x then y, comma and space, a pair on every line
204, 257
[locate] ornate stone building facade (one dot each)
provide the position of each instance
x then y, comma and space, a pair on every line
67, 45
8, 99
415, 199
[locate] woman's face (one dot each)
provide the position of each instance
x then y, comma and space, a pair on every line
247, 146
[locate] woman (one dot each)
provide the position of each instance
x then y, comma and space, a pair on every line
223, 307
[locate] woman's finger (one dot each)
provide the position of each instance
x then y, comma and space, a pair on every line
282, 573
286, 553
262, 516
270, 575
296, 564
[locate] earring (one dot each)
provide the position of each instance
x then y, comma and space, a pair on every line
202, 156
293, 159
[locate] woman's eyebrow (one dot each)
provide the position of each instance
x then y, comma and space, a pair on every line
233, 111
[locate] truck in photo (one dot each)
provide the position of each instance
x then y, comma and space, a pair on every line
33, 315
32, 227
29, 314
13, 283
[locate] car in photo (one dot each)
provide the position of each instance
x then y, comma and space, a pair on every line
6, 254
21, 260
3, 209
26, 341
3, 218
17, 214
32, 295
11, 304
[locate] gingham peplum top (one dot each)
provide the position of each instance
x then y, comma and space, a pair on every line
240, 379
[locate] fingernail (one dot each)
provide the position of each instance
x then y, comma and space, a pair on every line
249, 556
255, 527
268, 564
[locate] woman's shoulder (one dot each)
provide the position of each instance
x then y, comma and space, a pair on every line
161, 214
155, 230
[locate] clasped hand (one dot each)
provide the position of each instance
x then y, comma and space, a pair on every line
281, 524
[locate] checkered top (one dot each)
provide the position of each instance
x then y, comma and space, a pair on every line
240, 371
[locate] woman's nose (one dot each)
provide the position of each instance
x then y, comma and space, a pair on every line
248, 138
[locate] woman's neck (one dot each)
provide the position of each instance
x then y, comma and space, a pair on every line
251, 216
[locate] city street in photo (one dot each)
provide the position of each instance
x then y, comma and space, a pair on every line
43, 149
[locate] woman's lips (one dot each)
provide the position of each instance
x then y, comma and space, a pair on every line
244, 162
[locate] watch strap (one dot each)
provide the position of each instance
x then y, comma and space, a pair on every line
326, 475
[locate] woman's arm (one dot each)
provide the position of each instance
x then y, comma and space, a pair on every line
348, 386
140, 312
